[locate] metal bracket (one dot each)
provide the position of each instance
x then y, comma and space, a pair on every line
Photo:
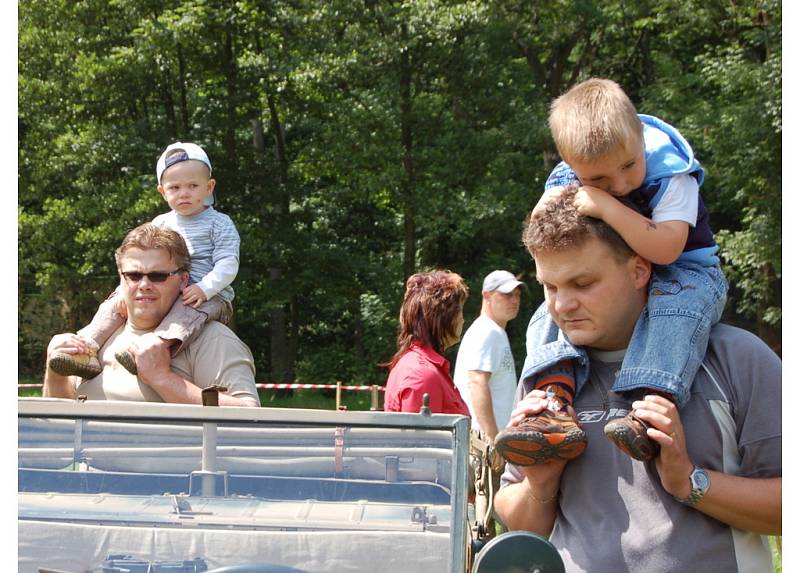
210, 395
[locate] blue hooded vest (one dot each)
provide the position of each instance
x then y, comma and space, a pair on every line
667, 154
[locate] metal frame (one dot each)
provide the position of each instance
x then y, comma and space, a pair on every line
113, 410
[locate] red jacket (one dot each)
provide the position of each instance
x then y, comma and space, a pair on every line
422, 370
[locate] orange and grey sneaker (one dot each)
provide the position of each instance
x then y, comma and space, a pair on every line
84, 365
629, 434
554, 433
542, 438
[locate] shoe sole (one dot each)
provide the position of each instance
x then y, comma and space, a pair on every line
634, 445
68, 367
127, 362
533, 448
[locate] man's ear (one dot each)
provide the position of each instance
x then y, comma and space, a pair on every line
184, 279
642, 269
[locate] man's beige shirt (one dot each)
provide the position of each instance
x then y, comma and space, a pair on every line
216, 356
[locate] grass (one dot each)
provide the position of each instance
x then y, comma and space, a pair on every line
777, 554
316, 399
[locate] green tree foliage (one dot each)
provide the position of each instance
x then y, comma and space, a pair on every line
357, 142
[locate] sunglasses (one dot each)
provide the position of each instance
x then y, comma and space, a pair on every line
153, 277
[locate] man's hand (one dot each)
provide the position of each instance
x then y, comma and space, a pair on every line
56, 385
592, 201
542, 478
533, 403
672, 464
749, 504
193, 296
68, 343
152, 357
531, 504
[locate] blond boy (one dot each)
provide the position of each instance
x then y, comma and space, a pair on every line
640, 176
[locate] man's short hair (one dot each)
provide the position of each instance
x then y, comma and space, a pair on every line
148, 236
592, 119
559, 226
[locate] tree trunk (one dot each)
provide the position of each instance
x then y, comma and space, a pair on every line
281, 357
169, 102
409, 183
184, 108
229, 135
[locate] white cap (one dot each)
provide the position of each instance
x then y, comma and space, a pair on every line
190, 151
501, 281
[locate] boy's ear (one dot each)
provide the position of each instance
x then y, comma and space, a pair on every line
211, 184
161, 190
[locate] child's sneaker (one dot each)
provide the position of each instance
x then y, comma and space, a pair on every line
84, 365
126, 359
629, 433
554, 433
541, 438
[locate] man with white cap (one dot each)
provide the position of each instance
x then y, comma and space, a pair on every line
485, 374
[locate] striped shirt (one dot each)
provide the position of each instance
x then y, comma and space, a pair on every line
213, 244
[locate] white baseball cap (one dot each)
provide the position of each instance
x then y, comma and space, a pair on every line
190, 151
501, 281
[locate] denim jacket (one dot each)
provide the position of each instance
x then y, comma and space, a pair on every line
542, 355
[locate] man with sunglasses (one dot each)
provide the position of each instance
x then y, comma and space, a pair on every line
153, 264
184, 180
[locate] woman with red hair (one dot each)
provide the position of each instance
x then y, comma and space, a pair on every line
431, 320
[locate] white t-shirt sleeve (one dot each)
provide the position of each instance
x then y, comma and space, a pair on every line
223, 273
679, 202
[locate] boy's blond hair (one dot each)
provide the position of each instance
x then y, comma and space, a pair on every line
592, 119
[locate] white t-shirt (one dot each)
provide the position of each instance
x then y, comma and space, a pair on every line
485, 347
679, 202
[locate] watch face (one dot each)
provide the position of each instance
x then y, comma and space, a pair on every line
700, 479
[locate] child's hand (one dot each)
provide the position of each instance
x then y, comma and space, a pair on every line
193, 296
119, 306
546, 197
591, 201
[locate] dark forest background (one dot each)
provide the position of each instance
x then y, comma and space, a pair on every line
357, 142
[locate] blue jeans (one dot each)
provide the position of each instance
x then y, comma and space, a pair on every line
668, 343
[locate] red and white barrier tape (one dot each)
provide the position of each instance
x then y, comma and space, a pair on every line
316, 386
277, 387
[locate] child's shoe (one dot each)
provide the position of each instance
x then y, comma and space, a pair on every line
554, 433
629, 434
126, 359
84, 365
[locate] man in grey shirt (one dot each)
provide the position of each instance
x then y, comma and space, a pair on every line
708, 499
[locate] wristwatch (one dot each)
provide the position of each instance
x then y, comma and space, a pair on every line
700, 482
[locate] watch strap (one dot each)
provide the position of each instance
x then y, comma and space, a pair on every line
698, 491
